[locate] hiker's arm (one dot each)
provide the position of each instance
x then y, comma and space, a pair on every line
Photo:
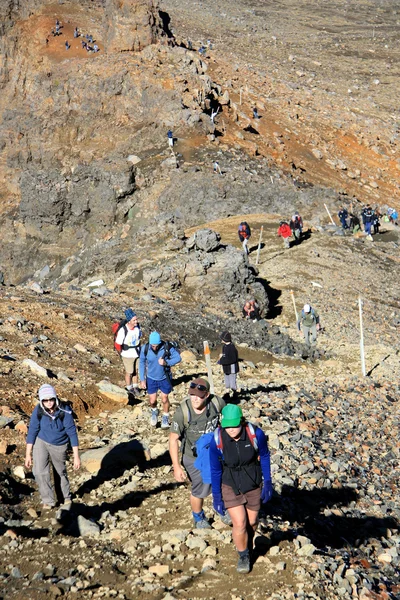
265, 460
28, 456
142, 368
216, 478
179, 473
77, 460
174, 358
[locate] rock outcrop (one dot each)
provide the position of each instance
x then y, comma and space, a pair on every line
131, 25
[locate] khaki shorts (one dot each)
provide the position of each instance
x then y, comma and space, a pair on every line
130, 365
251, 499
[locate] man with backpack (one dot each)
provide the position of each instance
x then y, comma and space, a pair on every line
156, 359
309, 324
195, 416
127, 336
244, 233
296, 226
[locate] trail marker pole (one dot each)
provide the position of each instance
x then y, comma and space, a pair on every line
259, 245
361, 338
294, 306
240, 97
207, 356
330, 216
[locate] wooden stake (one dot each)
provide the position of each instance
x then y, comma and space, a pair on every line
294, 306
207, 356
330, 216
259, 245
361, 338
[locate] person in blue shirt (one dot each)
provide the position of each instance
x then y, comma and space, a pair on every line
155, 362
51, 429
240, 477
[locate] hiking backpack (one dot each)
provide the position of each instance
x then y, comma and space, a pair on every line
244, 229
303, 314
115, 329
167, 346
251, 433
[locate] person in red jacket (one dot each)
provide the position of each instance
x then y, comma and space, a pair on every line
285, 232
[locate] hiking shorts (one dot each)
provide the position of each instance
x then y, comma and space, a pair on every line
130, 365
199, 489
252, 499
164, 385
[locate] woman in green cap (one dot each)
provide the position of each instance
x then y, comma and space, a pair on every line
240, 477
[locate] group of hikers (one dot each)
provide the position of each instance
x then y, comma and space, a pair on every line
370, 219
211, 444
88, 39
286, 230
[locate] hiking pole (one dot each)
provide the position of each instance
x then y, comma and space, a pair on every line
294, 306
259, 245
330, 216
207, 356
361, 338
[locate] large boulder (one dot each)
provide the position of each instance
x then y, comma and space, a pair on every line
131, 25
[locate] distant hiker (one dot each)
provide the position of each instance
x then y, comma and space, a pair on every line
376, 222
251, 310
368, 217
392, 214
354, 223
214, 114
127, 343
308, 323
156, 359
255, 113
170, 136
197, 415
51, 429
343, 216
90, 39
189, 45
67, 46
229, 360
47, 41
285, 232
202, 50
240, 477
57, 29
296, 225
244, 233
95, 48
216, 167
83, 44
76, 32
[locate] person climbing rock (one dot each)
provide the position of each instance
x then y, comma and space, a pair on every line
155, 362
251, 310
308, 324
240, 478
229, 360
127, 343
197, 415
51, 429
285, 232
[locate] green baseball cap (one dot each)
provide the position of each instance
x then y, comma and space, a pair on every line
231, 416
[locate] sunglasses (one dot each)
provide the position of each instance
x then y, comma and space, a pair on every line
199, 386
49, 400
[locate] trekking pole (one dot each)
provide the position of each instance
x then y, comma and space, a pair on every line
207, 356
330, 216
259, 245
361, 338
294, 305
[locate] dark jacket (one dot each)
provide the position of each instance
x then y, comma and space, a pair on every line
229, 357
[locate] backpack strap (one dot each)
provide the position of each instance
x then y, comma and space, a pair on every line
218, 439
251, 432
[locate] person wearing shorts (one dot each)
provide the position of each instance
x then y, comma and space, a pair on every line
196, 415
240, 477
128, 340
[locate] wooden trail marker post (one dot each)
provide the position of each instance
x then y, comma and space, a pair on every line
330, 216
259, 245
361, 338
294, 306
207, 356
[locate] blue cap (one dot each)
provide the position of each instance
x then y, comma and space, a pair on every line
129, 314
154, 338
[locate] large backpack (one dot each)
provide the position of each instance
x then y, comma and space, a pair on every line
115, 329
167, 349
61, 416
303, 314
244, 229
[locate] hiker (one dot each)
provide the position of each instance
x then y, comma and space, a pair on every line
95, 48
214, 114
240, 477
376, 222
51, 428
244, 233
170, 136
67, 46
285, 232
229, 360
76, 32
392, 214
216, 167
343, 216
308, 323
354, 224
296, 226
83, 44
368, 217
255, 113
156, 359
251, 310
127, 343
195, 416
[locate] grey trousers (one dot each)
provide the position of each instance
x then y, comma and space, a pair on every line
43, 454
306, 333
230, 381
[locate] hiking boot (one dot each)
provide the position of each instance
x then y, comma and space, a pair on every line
226, 518
165, 422
154, 417
202, 524
243, 565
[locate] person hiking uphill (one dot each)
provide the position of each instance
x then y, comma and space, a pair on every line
244, 233
195, 416
155, 362
229, 360
127, 343
240, 477
296, 226
343, 216
51, 429
285, 232
251, 310
308, 323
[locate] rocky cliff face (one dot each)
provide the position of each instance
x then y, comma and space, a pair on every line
131, 25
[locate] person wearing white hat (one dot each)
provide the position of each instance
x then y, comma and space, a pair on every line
308, 324
51, 429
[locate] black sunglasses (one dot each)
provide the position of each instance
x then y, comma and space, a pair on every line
49, 400
199, 386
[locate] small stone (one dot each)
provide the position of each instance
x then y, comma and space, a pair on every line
19, 472
306, 550
21, 427
3, 447
80, 348
159, 570
385, 558
34, 367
